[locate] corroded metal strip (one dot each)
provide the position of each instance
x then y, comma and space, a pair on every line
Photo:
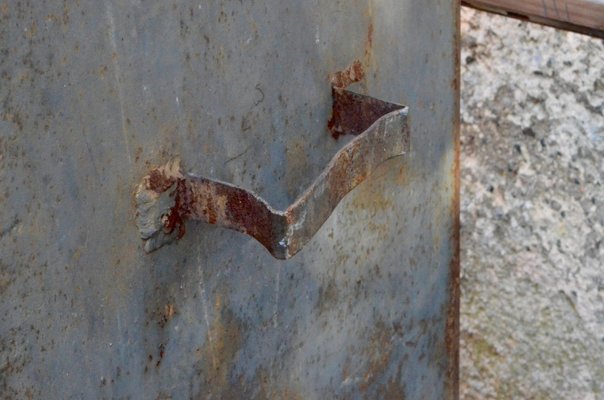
167, 196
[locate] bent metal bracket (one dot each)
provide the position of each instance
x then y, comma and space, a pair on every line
168, 196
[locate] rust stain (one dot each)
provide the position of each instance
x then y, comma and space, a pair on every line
214, 204
369, 45
349, 75
296, 173
31, 31
392, 391
65, 16
402, 178
182, 204
287, 393
15, 118
371, 198
162, 352
268, 390
378, 354
369, 58
158, 181
329, 295
102, 71
253, 216
223, 341
169, 311
16, 359
452, 322
138, 153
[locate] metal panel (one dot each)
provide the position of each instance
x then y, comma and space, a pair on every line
94, 94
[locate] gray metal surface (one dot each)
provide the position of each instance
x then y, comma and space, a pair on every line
95, 93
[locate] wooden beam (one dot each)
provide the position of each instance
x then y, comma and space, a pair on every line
583, 16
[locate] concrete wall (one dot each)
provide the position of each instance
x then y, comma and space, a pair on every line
532, 306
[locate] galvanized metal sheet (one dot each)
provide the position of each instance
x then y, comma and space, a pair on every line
94, 94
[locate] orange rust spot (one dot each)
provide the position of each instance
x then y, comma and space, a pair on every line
168, 312
349, 75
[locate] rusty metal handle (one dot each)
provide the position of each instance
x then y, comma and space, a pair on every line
167, 196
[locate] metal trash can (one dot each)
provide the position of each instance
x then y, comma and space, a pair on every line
354, 295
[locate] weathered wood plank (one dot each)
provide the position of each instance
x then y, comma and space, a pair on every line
583, 16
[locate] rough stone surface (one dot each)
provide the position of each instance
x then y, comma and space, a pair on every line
532, 307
